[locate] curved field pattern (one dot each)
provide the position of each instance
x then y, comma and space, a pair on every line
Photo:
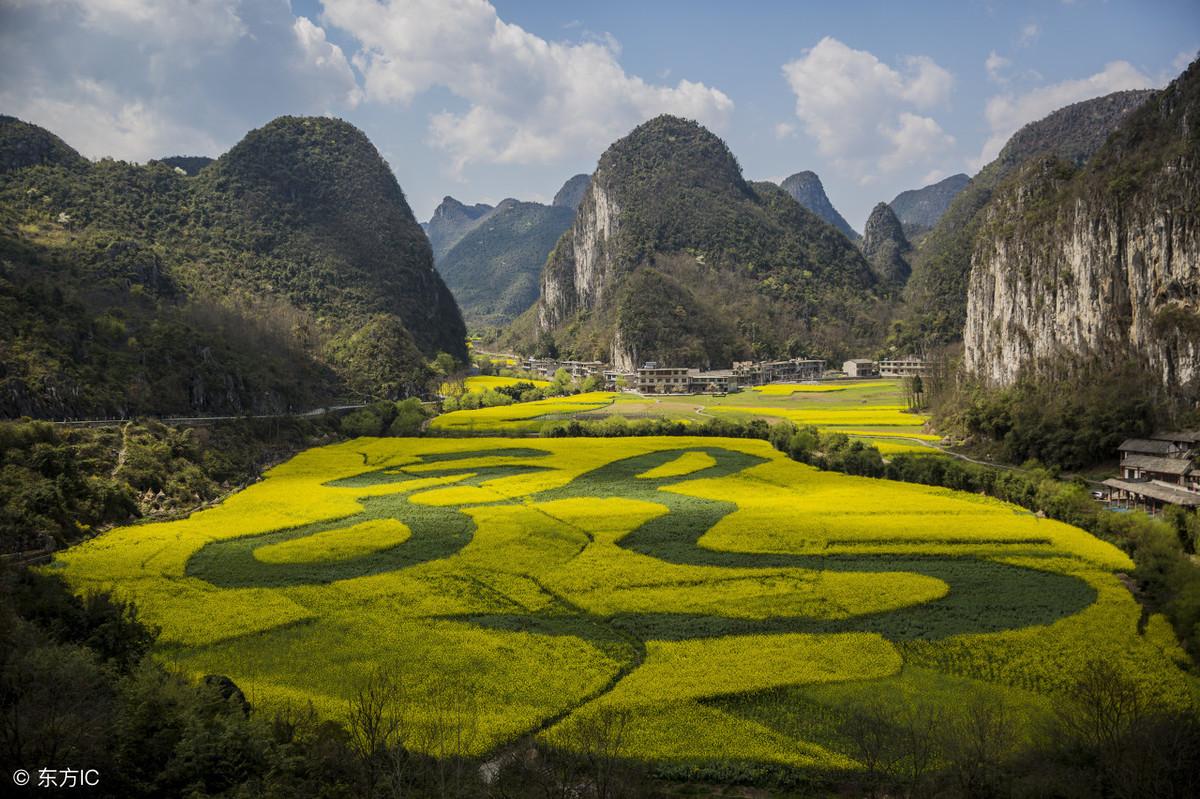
709, 586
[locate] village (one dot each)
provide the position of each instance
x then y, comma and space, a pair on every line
658, 378
1154, 472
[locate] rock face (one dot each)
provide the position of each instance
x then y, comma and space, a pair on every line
885, 246
1075, 268
936, 294
495, 268
451, 221
806, 189
571, 194
919, 209
674, 257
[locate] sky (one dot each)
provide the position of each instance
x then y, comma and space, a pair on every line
483, 101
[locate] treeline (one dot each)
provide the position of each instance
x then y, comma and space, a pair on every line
58, 484
1073, 420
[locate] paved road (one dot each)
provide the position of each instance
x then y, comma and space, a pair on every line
175, 420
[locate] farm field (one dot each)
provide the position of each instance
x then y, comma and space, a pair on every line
874, 410
712, 588
481, 383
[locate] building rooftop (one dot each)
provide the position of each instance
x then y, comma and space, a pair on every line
1163, 492
1146, 446
1163, 465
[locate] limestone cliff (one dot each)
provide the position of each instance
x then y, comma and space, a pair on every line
673, 256
1100, 265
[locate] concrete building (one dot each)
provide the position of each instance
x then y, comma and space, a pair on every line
544, 368
612, 376
719, 381
859, 367
581, 370
655, 379
757, 373
902, 367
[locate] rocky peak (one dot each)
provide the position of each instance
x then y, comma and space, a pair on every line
885, 246
919, 209
571, 193
451, 221
806, 189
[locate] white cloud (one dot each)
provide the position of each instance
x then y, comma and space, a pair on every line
327, 58
528, 100
141, 79
1006, 113
1182, 60
210, 23
99, 122
995, 66
1029, 34
784, 130
860, 110
916, 139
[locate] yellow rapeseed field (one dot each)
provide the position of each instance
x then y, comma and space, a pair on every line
521, 417
552, 579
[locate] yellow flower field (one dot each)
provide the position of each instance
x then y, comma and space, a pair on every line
552, 579
521, 417
481, 383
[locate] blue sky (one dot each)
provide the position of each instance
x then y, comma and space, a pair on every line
488, 100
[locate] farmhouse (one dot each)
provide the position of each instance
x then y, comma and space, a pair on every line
902, 367
859, 367
1158, 471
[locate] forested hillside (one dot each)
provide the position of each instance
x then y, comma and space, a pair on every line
289, 271
493, 270
674, 256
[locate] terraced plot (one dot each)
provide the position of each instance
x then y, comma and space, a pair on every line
710, 586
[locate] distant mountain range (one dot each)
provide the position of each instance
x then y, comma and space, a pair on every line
492, 257
571, 194
919, 209
493, 270
288, 271
451, 221
806, 189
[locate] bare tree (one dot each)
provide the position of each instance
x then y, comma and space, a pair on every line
380, 725
977, 742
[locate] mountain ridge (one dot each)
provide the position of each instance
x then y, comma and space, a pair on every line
806, 188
